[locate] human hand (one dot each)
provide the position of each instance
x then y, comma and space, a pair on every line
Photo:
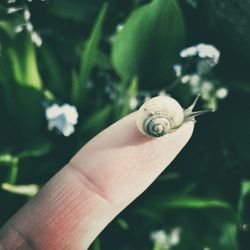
106, 175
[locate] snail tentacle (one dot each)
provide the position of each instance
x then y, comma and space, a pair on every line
189, 114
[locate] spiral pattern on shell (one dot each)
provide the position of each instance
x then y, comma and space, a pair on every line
159, 116
156, 125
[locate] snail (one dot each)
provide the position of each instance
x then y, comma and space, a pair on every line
162, 115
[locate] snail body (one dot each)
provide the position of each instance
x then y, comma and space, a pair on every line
163, 115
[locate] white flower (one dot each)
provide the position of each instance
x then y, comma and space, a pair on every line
133, 102
160, 238
208, 51
29, 26
189, 52
193, 80
165, 241
26, 14
162, 93
221, 93
203, 51
36, 39
147, 97
185, 79
119, 27
63, 118
19, 28
206, 90
174, 237
13, 10
178, 70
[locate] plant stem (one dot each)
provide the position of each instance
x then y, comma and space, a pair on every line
13, 171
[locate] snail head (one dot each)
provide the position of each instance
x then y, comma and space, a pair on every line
189, 114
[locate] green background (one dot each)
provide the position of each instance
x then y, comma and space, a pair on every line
206, 191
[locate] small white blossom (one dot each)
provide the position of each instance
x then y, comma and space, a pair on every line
147, 97
162, 93
244, 227
160, 238
189, 52
119, 27
185, 79
36, 39
208, 51
133, 103
13, 10
19, 28
221, 93
26, 14
193, 79
63, 118
178, 70
164, 240
174, 236
203, 51
206, 89
29, 27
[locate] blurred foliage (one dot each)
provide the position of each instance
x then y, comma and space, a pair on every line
100, 57
149, 43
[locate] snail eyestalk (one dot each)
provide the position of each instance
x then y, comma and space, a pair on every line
189, 114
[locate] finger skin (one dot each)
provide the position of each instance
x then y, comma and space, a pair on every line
100, 180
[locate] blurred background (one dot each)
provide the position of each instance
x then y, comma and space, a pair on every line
68, 69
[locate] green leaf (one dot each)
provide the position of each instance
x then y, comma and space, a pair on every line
88, 58
8, 28
149, 43
53, 71
37, 150
244, 217
24, 63
13, 171
169, 177
75, 9
186, 202
122, 223
150, 214
6, 158
130, 93
195, 203
228, 239
97, 121
244, 203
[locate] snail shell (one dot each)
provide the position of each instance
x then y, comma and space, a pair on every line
159, 116
162, 115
